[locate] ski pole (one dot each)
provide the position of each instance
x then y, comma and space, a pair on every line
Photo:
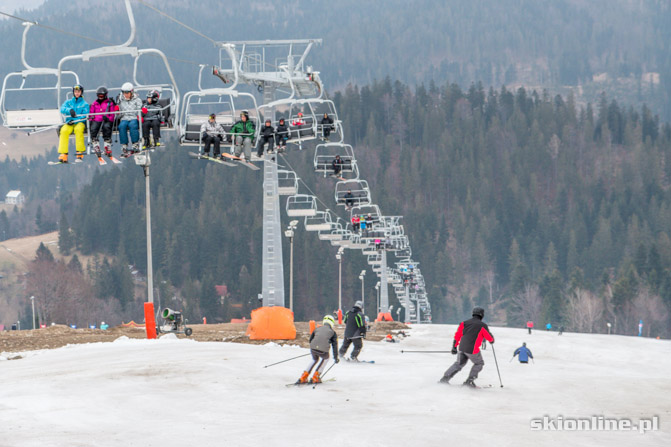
511, 359
329, 369
292, 358
497, 364
439, 352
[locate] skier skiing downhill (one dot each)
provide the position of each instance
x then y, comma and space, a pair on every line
355, 331
524, 353
320, 340
468, 338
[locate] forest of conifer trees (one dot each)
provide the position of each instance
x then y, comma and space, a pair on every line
535, 205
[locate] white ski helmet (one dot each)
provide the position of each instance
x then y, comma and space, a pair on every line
127, 87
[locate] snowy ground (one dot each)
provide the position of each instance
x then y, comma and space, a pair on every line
181, 392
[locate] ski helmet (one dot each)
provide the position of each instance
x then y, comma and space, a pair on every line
102, 91
359, 304
245, 114
213, 116
153, 94
478, 312
524, 344
77, 87
126, 87
328, 319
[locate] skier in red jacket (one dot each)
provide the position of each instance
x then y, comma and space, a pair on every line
469, 338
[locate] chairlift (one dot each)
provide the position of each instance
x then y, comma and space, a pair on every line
301, 205
225, 103
326, 153
360, 193
321, 221
21, 116
169, 93
287, 183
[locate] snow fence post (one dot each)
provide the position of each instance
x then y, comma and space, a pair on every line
149, 320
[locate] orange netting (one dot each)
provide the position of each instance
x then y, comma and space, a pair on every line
382, 316
272, 323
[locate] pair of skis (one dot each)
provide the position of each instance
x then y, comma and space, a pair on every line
330, 379
101, 161
234, 160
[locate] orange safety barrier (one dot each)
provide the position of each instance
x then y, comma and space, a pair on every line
149, 319
384, 316
312, 326
272, 323
339, 316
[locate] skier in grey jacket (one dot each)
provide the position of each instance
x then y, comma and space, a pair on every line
320, 340
212, 133
130, 106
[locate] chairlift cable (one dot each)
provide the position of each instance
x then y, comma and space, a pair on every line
51, 28
55, 29
326, 207
177, 21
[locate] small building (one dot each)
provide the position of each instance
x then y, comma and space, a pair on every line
15, 197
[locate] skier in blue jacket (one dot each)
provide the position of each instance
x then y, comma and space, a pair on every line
75, 110
524, 353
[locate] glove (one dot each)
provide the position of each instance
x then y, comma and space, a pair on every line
116, 108
363, 335
337, 360
73, 113
144, 110
454, 350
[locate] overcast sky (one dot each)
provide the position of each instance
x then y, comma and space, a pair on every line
11, 6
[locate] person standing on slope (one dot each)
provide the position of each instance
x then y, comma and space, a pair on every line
524, 353
355, 331
468, 338
320, 339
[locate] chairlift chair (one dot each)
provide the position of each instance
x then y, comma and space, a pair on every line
326, 153
301, 205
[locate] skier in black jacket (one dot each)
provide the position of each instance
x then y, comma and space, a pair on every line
267, 136
281, 135
355, 331
327, 126
469, 338
320, 340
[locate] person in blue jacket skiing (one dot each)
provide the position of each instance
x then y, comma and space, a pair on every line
524, 353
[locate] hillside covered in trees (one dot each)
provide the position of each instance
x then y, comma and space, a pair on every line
519, 200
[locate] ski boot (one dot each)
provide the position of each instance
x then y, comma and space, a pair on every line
303, 378
80, 157
136, 148
63, 158
316, 378
470, 383
96, 149
444, 379
124, 151
108, 149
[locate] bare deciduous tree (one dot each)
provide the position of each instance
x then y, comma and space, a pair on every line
583, 310
528, 303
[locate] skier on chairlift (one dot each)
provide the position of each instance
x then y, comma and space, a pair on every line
281, 135
151, 119
267, 136
212, 134
75, 111
243, 134
102, 117
129, 105
327, 126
